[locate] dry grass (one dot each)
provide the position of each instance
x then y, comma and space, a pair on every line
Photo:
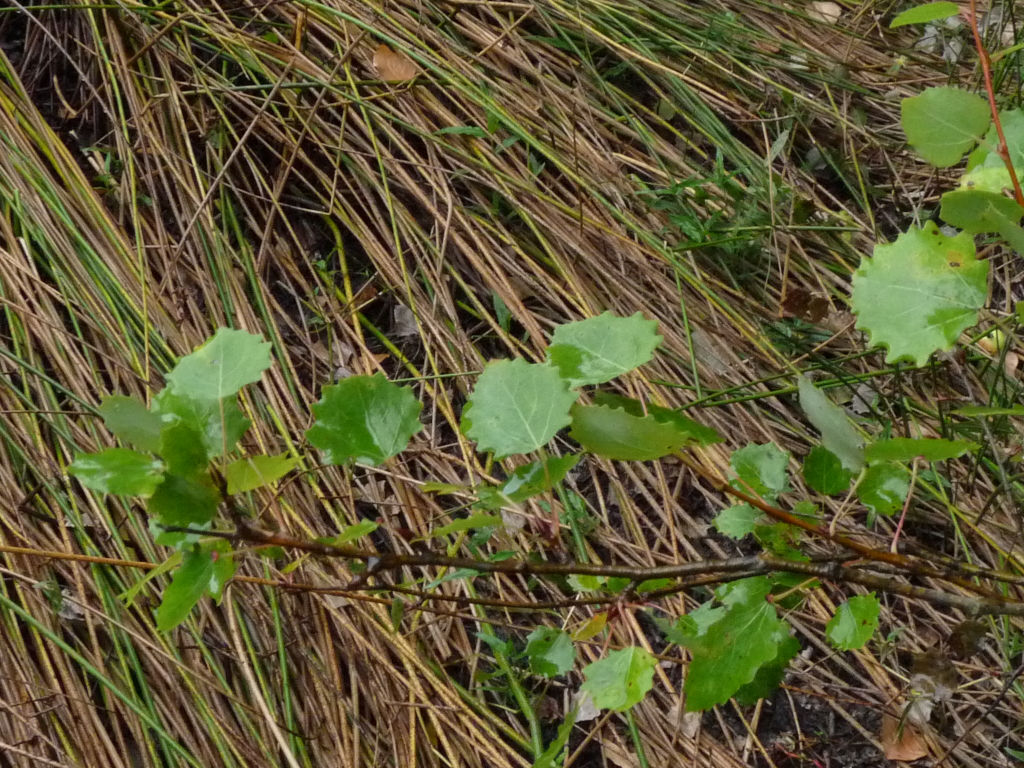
170, 169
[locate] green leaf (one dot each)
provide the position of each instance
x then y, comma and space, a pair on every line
462, 130
908, 449
601, 348
917, 295
807, 509
130, 420
221, 366
527, 481
978, 211
184, 501
922, 14
550, 651
653, 585
614, 434
729, 652
737, 521
538, 476
366, 419
467, 523
854, 623
187, 587
201, 571
353, 532
220, 423
942, 124
884, 488
180, 542
257, 471
989, 410
770, 675
550, 757
763, 468
517, 407
825, 473
585, 582
780, 539
130, 595
621, 679
689, 627
118, 470
837, 431
617, 428
696, 434
986, 169
496, 644
223, 569
455, 575
182, 448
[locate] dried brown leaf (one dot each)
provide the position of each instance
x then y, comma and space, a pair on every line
902, 743
393, 66
801, 303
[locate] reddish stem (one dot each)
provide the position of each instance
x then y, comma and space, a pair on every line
986, 68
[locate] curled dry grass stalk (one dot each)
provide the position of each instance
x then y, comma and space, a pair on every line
170, 168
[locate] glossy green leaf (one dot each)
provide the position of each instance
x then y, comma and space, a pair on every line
615, 433
366, 419
201, 572
944, 123
181, 447
696, 433
854, 623
729, 652
825, 473
763, 468
837, 431
184, 501
224, 568
884, 488
119, 471
550, 651
517, 407
621, 679
924, 13
257, 471
769, 676
601, 348
917, 295
908, 449
130, 420
220, 423
737, 521
222, 366
181, 542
